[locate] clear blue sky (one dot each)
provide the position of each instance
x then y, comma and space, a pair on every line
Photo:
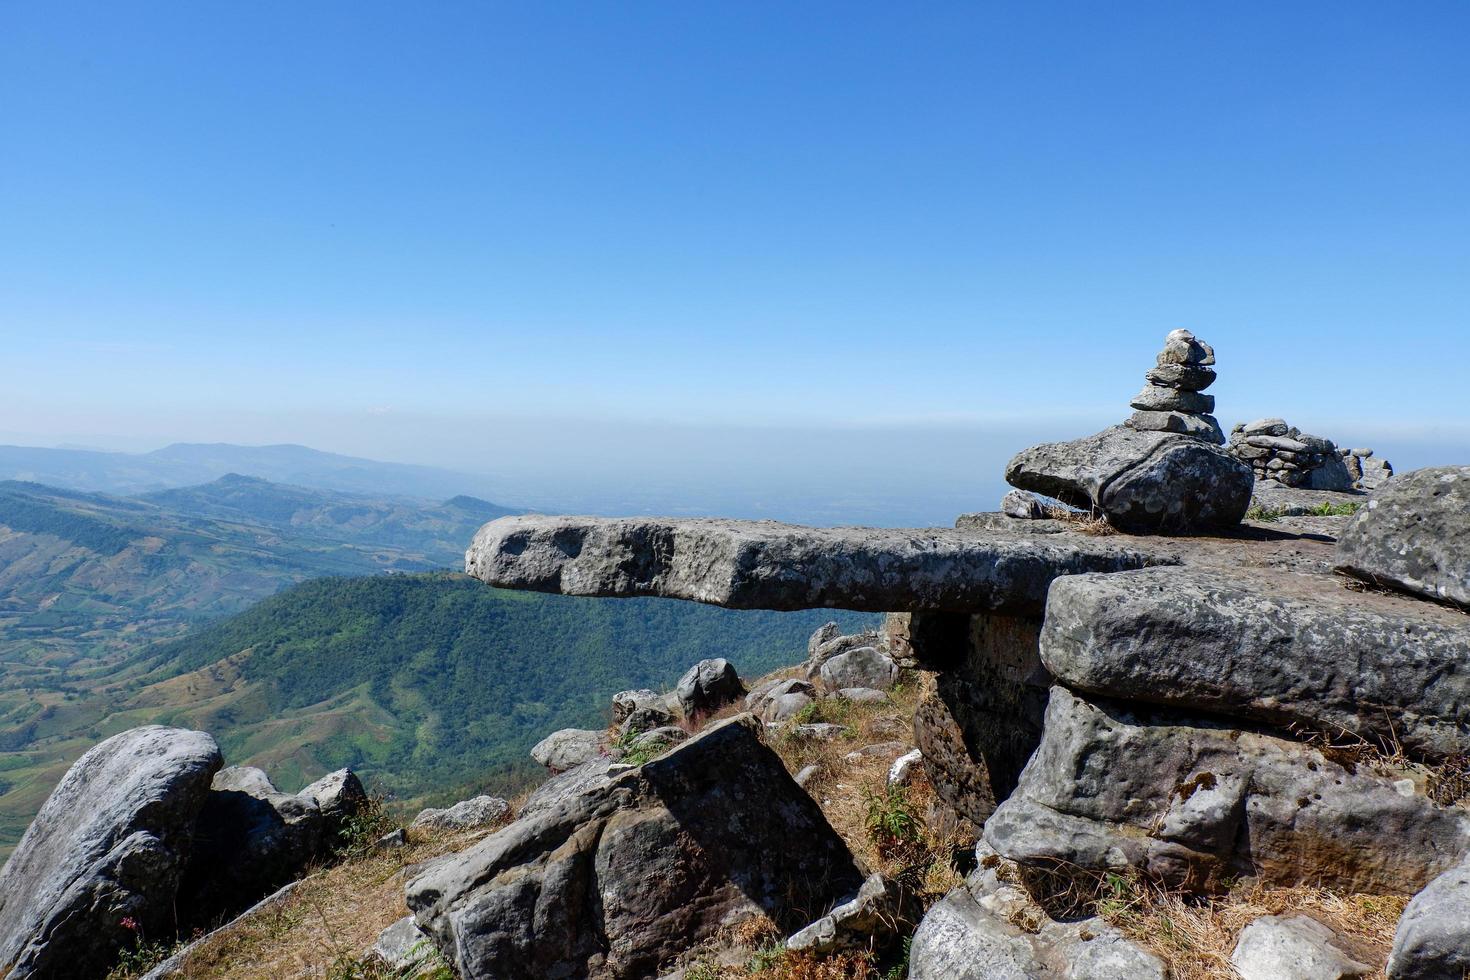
294, 221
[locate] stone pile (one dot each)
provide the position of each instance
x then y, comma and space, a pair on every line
1277, 451
1174, 399
1368, 472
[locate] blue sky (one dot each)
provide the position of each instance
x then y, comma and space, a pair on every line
294, 222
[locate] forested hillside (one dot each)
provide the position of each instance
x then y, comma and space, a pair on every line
431, 685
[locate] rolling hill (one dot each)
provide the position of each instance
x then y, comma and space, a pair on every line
431, 685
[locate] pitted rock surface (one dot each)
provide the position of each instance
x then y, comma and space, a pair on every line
1414, 535
768, 565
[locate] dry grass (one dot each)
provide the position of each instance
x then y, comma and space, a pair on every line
1195, 937
1086, 522
323, 927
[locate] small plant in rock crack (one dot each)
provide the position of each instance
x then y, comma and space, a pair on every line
361, 830
891, 822
142, 956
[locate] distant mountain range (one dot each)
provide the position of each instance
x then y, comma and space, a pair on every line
86, 576
186, 464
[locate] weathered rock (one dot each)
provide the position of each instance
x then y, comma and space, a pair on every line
889, 750
1373, 473
863, 667
869, 920
568, 748
1155, 398
404, 948
565, 785
1432, 941
1265, 427
807, 774
1205, 427
1182, 347
766, 565
647, 718
780, 700
834, 646
1186, 377
821, 730
1295, 947
862, 695
707, 687
822, 634
1286, 501
625, 876
624, 703
990, 930
1189, 801
340, 797
1414, 535
249, 840
481, 811
1023, 505
1142, 481
108, 844
391, 841
1266, 646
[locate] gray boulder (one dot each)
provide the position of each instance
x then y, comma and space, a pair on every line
1142, 481
1185, 377
1295, 947
863, 667
707, 687
480, 811
626, 876
1182, 347
249, 840
404, 948
624, 703
646, 718
822, 634
1432, 941
340, 797
992, 930
1414, 535
780, 700
568, 748
109, 844
1023, 505
1270, 645
1156, 398
766, 565
1190, 801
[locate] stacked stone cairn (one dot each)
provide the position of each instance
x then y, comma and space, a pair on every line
1283, 453
1174, 399
1368, 472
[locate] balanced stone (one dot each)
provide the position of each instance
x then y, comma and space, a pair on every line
1156, 399
1182, 347
1204, 427
1185, 377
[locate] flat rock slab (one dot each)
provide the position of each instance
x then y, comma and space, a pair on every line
109, 844
769, 565
1285, 501
1270, 645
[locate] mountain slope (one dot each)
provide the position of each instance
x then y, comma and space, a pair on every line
433, 686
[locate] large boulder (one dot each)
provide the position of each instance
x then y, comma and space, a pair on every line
766, 565
1432, 941
1282, 648
780, 700
479, 811
1191, 802
249, 840
707, 687
1143, 481
625, 876
861, 667
107, 848
340, 797
1293, 947
988, 929
1414, 535
568, 748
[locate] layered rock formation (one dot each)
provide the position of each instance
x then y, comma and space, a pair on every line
1283, 453
1173, 400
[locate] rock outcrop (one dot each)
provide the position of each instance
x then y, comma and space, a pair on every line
707, 687
1190, 801
568, 748
624, 877
1264, 645
1414, 535
249, 840
1432, 941
481, 811
766, 565
1142, 481
1295, 947
340, 797
100, 865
